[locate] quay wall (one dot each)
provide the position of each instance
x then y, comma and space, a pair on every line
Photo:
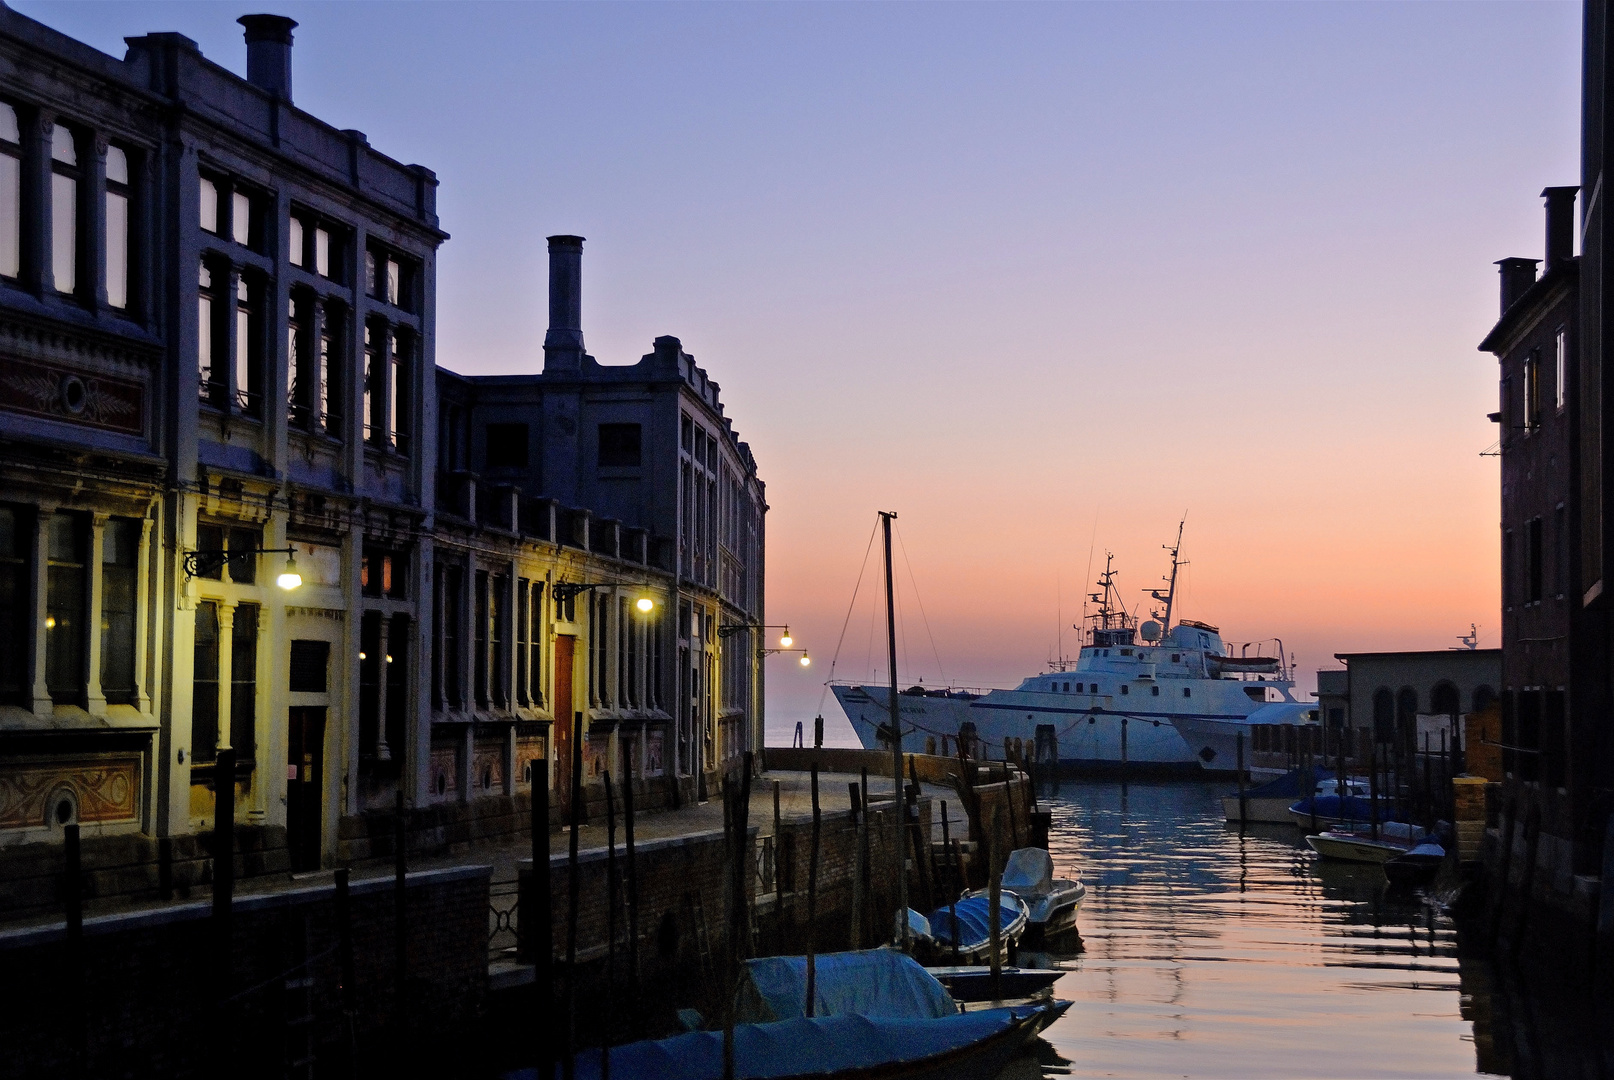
141, 997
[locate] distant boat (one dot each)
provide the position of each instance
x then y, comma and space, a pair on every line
1346, 811
974, 927
1051, 903
1417, 866
1360, 845
879, 1015
973, 982
1269, 803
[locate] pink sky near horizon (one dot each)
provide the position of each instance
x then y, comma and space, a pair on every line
1037, 277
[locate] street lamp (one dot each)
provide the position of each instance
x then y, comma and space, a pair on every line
564, 591
785, 640
206, 560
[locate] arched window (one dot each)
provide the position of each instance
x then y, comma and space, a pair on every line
1406, 715
1484, 698
1383, 715
1445, 700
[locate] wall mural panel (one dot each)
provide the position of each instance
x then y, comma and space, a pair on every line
103, 789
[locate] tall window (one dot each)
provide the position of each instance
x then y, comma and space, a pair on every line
16, 549
120, 550
1532, 390
535, 663
399, 402
1560, 551
208, 205
205, 684
523, 638
479, 662
64, 208
1534, 555
453, 597
241, 218
65, 610
632, 630
322, 252
248, 349
371, 662
300, 369
375, 338
397, 675
330, 373
500, 627
117, 227
209, 347
244, 681
294, 241
10, 193
1560, 366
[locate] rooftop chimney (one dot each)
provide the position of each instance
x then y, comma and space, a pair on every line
1560, 224
269, 53
563, 345
1517, 277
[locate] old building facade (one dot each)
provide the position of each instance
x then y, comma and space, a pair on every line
217, 322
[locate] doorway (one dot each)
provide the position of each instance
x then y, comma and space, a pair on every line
305, 767
562, 741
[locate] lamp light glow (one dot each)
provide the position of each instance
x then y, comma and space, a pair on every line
289, 577
645, 605
785, 640
806, 660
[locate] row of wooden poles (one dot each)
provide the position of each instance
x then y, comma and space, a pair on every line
1393, 773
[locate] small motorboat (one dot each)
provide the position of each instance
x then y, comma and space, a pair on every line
974, 928
974, 982
877, 1014
1360, 845
1331, 811
1268, 803
1416, 866
1051, 903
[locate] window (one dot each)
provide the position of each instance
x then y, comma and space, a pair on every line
498, 622
1508, 575
248, 348
374, 396
507, 446
535, 664
294, 241
384, 573
65, 598
1560, 552
397, 675
1532, 389
1533, 557
241, 218
210, 538
16, 547
205, 684
209, 344
310, 667
453, 597
624, 630
330, 373
209, 206
243, 556
400, 396
1187, 691
1155, 690
117, 228
370, 663
632, 628
300, 369
1560, 367
523, 638
619, 445
479, 662
322, 252
120, 551
64, 208
244, 681
394, 282
10, 193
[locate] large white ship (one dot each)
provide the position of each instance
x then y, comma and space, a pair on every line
1153, 698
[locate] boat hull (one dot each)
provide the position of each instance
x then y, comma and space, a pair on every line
1354, 848
1268, 811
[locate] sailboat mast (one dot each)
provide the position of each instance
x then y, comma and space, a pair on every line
901, 819
1171, 588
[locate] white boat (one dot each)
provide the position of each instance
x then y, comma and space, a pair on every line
1395, 838
1051, 903
1156, 698
1269, 803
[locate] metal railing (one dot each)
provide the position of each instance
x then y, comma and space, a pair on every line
504, 920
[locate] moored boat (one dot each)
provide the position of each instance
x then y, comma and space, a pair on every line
1269, 803
1416, 866
1360, 845
1051, 903
1339, 811
969, 924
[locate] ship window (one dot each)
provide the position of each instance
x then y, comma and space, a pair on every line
1126, 652
1188, 691
1053, 687
1176, 658
1125, 689
1155, 690
1067, 688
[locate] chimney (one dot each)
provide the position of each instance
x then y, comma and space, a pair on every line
1517, 277
1560, 225
563, 345
269, 53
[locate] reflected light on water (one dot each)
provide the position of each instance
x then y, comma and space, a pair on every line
1214, 955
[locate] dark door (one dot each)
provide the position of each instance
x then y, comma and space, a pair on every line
562, 753
305, 771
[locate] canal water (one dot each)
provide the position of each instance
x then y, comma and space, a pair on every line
1210, 954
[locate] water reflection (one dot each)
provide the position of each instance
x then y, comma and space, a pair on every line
1210, 953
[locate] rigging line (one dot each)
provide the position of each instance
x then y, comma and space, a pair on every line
1087, 582
848, 619
940, 670
902, 631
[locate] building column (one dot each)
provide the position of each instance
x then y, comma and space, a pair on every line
43, 706
143, 564
94, 697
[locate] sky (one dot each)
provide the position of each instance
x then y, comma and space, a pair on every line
1043, 279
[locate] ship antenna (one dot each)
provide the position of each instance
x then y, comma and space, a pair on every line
1171, 583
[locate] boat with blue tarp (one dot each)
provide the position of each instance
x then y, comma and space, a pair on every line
974, 927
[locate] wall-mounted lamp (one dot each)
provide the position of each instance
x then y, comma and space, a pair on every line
564, 591
785, 640
208, 560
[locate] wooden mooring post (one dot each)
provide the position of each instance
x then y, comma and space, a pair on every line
1244, 798
540, 939
573, 898
812, 899
857, 869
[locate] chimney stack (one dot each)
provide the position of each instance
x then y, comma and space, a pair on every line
269, 53
1560, 224
1517, 277
563, 344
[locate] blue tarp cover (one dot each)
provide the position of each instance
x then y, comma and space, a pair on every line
1344, 807
1290, 783
877, 983
798, 1047
974, 920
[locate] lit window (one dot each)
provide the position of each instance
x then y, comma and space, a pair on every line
117, 227
10, 193
209, 206
295, 240
65, 595
248, 351
394, 278
209, 371
120, 548
322, 253
1532, 390
64, 209
1560, 372
241, 218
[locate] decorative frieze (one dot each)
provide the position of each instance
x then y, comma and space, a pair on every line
102, 789
75, 396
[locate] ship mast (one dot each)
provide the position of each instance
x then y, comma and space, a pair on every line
1171, 583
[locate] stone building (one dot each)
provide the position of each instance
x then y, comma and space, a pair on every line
1399, 697
629, 481
217, 367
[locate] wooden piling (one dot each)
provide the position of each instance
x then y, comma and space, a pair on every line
612, 891
632, 881
400, 916
1244, 798
857, 870
346, 990
812, 898
573, 899
954, 875
994, 907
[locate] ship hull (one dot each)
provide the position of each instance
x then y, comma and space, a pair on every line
1086, 741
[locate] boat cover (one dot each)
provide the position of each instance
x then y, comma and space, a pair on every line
1291, 784
974, 915
877, 983
798, 1047
1029, 870
1343, 807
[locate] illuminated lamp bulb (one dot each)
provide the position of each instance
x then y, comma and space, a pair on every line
805, 660
289, 578
645, 605
785, 640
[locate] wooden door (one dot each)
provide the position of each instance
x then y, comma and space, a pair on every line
305, 771
562, 741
